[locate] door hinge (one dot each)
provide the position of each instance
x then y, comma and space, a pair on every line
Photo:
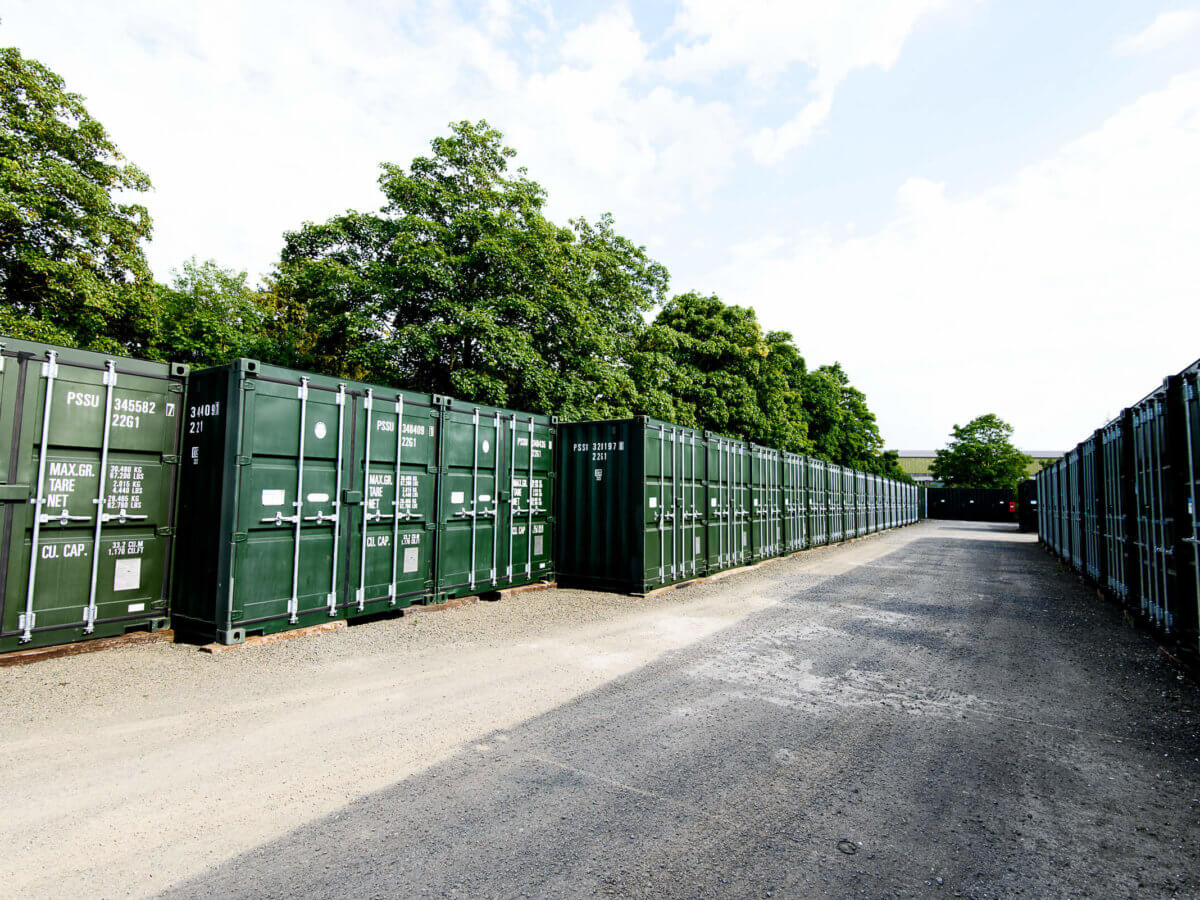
244, 460
237, 537
175, 387
165, 530
247, 385
432, 470
171, 459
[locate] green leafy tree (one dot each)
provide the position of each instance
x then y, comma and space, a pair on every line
461, 285
842, 427
210, 316
72, 269
710, 365
980, 454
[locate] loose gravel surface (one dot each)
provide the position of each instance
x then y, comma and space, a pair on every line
940, 710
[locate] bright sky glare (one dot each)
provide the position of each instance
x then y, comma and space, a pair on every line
976, 206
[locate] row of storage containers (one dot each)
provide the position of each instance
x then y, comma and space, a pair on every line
280, 499
252, 499
972, 504
1120, 508
647, 504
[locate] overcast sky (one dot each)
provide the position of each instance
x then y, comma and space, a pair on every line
975, 205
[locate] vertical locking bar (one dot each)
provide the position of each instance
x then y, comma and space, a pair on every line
662, 448
474, 492
49, 372
514, 504
735, 454
331, 598
496, 492
1165, 615
396, 499
529, 510
110, 382
692, 536
294, 602
361, 595
676, 534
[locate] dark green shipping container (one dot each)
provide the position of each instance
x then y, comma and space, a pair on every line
304, 499
766, 511
817, 477
726, 522
632, 517
89, 459
795, 503
495, 528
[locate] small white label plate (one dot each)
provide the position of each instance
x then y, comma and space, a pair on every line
273, 498
317, 498
412, 556
458, 497
136, 607
127, 574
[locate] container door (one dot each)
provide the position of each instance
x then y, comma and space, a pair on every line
691, 450
467, 546
714, 503
392, 539
290, 569
526, 550
1190, 527
90, 490
658, 493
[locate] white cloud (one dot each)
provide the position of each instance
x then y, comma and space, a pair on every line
765, 38
251, 118
1167, 29
1052, 299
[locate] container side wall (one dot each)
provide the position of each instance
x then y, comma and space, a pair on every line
88, 494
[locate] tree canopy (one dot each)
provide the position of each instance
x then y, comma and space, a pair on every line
720, 371
458, 284
72, 267
980, 454
461, 285
209, 315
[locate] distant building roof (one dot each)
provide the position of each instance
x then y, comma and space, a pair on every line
917, 462
930, 454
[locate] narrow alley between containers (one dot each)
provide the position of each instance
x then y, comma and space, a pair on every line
938, 710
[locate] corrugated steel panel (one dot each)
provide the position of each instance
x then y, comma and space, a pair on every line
495, 498
288, 520
88, 470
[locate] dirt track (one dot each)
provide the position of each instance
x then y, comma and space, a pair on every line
936, 710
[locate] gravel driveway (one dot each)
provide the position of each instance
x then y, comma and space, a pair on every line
935, 711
